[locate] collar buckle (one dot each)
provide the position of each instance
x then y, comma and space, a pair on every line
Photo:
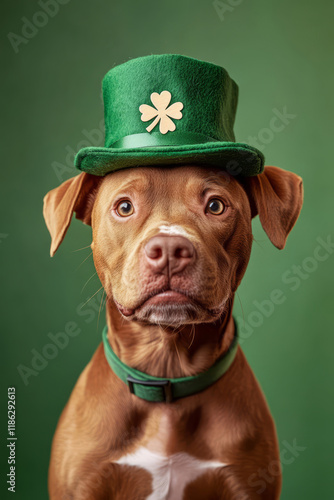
164, 384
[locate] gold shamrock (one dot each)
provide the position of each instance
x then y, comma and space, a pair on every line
161, 112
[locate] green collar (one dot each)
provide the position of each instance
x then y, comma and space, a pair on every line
166, 390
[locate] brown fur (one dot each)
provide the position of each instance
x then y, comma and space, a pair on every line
229, 421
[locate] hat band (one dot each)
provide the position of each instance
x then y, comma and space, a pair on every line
155, 139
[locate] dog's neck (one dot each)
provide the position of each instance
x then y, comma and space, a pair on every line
167, 352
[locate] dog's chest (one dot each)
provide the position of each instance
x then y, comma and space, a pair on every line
172, 470
170, 474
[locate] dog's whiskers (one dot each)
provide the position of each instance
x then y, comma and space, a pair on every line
242, 309
100, 309
258, 242
88, 281
193, 332
178, 355
105, 300
83, 248
91, 253
91, 297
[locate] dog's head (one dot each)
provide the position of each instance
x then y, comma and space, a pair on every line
171, 245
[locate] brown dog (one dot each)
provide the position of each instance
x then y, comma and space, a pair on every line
170, 247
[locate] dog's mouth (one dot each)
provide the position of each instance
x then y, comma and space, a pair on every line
167, 296
164, 296
169, 306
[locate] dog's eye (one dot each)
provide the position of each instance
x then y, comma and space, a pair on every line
124, 208
215, 206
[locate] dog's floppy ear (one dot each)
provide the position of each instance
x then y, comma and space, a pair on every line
74, 195
276, 196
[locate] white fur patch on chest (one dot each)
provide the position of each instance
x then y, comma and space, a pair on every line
170, 475
173, 230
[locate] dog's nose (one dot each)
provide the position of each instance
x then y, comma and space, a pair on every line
169, 254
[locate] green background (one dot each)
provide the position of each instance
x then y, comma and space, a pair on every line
280, 54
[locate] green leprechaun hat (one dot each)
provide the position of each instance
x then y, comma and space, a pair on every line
169, 110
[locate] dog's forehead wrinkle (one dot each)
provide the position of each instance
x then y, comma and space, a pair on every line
197, 186
133, 182
160, 183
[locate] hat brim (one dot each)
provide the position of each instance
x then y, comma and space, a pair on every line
235, 158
